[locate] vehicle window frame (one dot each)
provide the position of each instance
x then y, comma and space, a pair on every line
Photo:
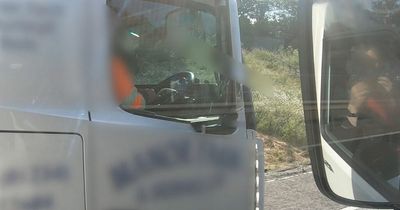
229, 108
336, 144
310, 106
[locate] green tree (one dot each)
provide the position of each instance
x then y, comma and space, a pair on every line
246, 32
274, 18
254, 10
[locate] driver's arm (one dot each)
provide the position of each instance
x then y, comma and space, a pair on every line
358, 97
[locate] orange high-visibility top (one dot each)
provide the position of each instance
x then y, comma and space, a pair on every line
124, 86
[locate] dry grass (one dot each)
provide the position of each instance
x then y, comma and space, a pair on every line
280, 155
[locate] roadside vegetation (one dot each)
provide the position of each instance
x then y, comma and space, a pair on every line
269, 41
279, 114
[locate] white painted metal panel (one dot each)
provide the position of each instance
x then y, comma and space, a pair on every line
41, 171
149, 167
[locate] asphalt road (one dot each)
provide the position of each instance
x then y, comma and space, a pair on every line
296, 190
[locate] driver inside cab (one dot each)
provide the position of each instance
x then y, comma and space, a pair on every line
373, 111
125, 91
123, 80
373, 96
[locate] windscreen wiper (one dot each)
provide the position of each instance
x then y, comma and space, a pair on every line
145, 113
224, 125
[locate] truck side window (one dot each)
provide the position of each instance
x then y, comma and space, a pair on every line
360, 92
164, 60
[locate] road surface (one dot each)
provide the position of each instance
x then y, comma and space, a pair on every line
296, 189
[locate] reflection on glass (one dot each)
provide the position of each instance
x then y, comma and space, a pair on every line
361, 88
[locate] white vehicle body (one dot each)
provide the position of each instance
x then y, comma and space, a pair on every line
65, 143
338, 172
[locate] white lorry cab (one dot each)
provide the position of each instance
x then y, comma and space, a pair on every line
350, 81
125, 104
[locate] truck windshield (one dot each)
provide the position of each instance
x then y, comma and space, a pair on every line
168, 52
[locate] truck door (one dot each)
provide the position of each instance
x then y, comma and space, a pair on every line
176, 139
351, 88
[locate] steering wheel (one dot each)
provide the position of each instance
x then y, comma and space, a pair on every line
184, 76
174, 87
